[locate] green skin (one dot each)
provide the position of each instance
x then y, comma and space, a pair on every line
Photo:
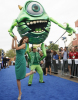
39, 30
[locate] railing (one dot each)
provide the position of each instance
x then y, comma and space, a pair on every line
63, 66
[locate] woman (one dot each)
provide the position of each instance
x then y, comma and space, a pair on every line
48, 61
20, 63
55, 56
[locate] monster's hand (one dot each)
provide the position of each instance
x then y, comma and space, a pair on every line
69, 29
12, 27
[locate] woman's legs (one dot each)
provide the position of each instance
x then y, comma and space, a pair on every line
46, 70
31, 72
19, 83
50, 69
19, 87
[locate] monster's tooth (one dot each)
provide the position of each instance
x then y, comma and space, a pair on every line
37, 21
40, 21
31, 22
28, 23
37, 31
34, 22
40, 31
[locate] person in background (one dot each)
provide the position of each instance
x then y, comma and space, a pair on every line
72, 55
48, 60
60, 52
55, 56
4, 62
46, 47
65, 57
8, 62
0, 62
76, 48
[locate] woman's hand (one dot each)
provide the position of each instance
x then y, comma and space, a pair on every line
12, 39
15, 37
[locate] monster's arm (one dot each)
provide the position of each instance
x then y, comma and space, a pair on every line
44, 51
67, 28
12, 27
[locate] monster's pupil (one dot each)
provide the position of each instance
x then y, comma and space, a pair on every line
35, 8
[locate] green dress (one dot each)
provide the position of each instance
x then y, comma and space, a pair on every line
20, 63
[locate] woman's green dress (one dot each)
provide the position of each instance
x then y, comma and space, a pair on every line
20, 63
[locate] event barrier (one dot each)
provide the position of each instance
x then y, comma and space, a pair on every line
63, 66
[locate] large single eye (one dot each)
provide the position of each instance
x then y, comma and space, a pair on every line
35, 8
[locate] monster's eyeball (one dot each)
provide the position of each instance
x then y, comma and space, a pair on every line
35, 8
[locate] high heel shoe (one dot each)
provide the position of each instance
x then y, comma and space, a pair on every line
19, 97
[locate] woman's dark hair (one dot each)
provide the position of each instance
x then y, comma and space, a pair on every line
54, 53
23, 39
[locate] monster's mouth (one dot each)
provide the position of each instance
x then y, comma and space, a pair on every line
37, 26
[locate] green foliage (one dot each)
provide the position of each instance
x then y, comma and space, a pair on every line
1, 51
53, 47
11, 53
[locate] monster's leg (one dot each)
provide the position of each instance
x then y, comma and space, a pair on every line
12, 27
44, 51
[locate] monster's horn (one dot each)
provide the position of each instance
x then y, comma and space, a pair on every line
20, 7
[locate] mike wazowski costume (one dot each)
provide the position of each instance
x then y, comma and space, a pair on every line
34, 22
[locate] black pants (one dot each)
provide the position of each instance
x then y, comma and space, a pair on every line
65, 66
55, 66
4, 64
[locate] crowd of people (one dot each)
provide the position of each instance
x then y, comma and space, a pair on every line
63, 54
4, 62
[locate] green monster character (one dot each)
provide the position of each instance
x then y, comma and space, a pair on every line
34, 22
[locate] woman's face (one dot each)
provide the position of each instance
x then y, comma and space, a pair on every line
25, 40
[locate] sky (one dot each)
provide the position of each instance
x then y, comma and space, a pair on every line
60, 10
